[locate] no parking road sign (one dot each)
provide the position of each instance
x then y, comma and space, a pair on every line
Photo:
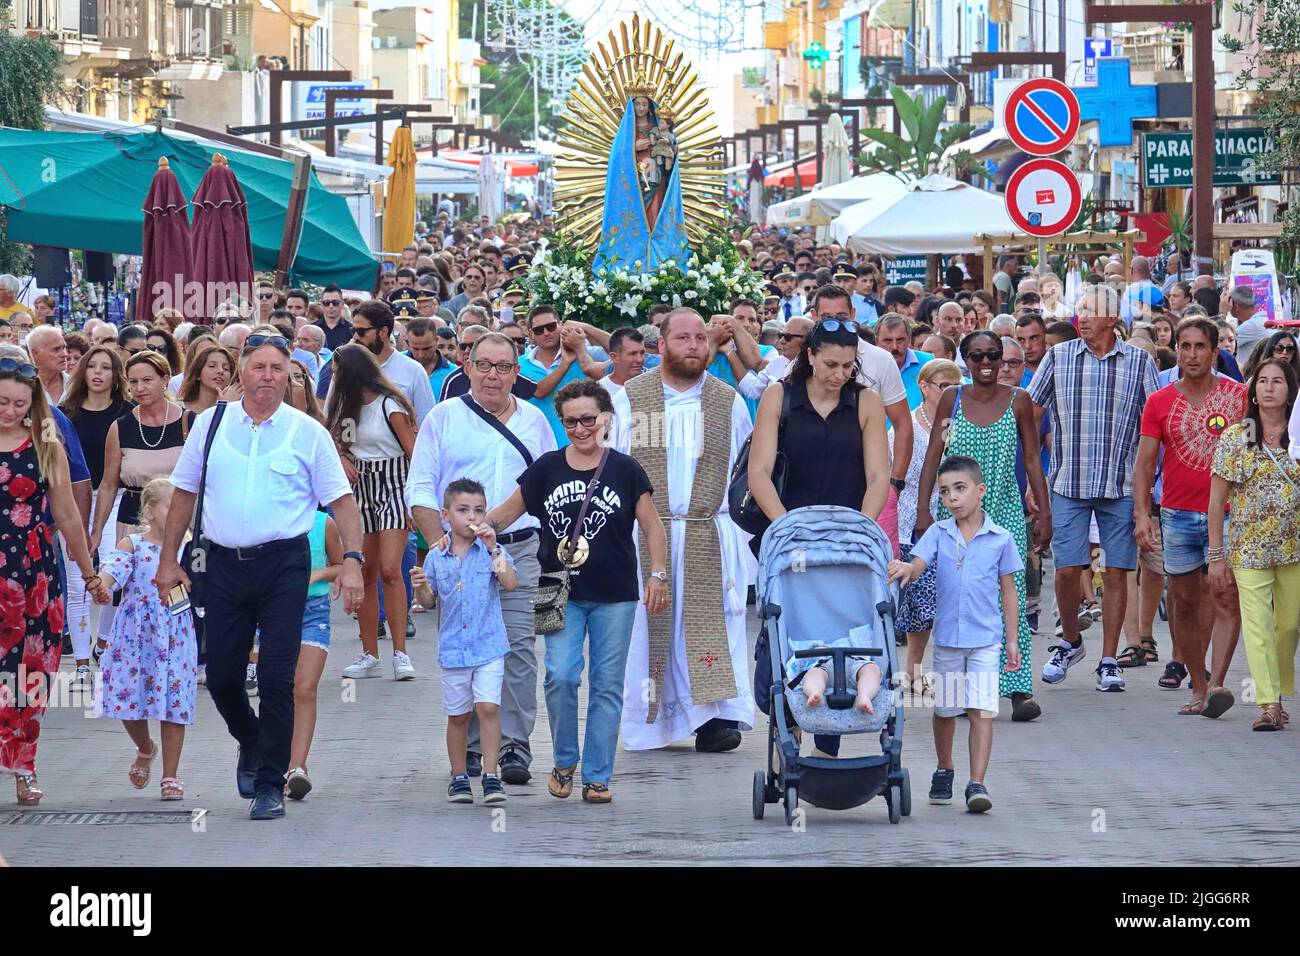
1043, 197
1041, 116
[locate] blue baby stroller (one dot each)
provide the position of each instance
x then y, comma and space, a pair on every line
821, 574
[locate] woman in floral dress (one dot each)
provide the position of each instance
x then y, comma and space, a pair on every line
35, 498
150, 670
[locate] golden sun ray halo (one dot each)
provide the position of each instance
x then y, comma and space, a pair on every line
632, 58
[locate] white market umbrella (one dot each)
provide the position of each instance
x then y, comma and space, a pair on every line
820, 206
756, 202
937, 215
836, 167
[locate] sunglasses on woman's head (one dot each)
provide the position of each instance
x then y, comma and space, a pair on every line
836, 325
22, 368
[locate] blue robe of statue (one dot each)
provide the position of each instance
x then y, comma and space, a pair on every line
626, 238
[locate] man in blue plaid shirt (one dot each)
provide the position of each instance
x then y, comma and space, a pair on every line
1094, 387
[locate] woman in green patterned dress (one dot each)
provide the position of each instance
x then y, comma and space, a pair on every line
992, 423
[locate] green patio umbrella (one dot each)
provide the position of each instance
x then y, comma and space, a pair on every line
85, 190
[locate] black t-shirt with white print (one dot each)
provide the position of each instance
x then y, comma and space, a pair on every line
553, 494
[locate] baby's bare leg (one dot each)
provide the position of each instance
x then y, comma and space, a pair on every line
868, 685
814, 686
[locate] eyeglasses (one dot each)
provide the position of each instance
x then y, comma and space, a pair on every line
545, 327
266, 296
1013, 363
22, 368
131, 351
221, 320
586, 421
503, 368
331, 301
773, 310
790, 336
275, 341
975, 358
1284, 349
360, 330
836, 324
465, 346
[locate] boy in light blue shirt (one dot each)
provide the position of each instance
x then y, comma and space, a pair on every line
468, 569
975, 564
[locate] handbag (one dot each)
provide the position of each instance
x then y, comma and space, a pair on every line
552, 594
744, 510
194, 554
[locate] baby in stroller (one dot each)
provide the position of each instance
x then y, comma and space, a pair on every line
815, 675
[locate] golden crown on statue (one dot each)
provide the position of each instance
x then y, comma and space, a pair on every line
640, 85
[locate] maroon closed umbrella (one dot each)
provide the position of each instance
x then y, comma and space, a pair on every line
222, 246
167, 265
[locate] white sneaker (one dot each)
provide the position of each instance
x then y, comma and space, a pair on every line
1109, 676
1064, 656
366, 665
402, 669
84, 674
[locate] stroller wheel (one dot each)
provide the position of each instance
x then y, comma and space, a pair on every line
760, 793
791, 804
894, 799
905, 794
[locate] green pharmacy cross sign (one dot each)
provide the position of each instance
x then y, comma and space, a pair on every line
816, 55
1167, 158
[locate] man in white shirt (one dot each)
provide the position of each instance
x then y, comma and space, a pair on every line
372, 326
1250, 320
789, 343
466, 437
269, 469
627, 352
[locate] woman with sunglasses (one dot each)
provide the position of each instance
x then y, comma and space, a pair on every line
994, 424
373, 425
834, 442
603, 578
1281, 345
35, 501
162, 342
97, 396
144, 443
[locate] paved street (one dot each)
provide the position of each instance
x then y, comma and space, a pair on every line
1100, 779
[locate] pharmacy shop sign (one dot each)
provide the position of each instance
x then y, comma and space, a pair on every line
1167, 158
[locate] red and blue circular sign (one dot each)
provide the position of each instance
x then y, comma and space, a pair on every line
1041, 116
1043, 197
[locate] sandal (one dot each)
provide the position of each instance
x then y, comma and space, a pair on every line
1267, 720
1218, 703
596, 793
1193, 708
172, 789
1132, 656
29, 792
1173, 677
560, 783
1149, 649
139, 775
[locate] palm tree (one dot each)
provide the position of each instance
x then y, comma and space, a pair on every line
920, 152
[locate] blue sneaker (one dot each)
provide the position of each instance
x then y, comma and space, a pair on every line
459, 791
267, 805
941, 787
977, 798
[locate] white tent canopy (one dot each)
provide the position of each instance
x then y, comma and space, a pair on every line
937, 215
820, 206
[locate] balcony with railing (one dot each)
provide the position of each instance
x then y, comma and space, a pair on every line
163, 31
60, 18
1157, 55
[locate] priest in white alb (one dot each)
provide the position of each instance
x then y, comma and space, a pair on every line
688, 670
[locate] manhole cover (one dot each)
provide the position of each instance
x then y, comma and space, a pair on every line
34, 818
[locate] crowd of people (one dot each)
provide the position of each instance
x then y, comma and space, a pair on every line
440, 444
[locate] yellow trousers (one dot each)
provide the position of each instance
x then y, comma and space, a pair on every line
1270, 627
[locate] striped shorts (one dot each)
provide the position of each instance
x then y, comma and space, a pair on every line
381, 494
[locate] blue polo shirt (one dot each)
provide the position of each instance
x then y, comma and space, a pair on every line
721, 369
967, 612
530, 368
910, 370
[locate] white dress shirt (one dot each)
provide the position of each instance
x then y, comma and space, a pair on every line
755, 383
880, 373
455, 442
265, 481
409, 375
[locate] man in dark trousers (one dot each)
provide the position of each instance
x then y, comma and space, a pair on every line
269, 468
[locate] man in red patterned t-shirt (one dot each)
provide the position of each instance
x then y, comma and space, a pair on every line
1185, 419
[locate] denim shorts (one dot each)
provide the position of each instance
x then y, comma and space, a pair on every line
1186, 540
1070, 520
316, 622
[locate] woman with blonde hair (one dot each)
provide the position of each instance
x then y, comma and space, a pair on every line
168, 319
34, 485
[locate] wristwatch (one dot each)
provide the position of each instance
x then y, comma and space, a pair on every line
899, 484
660, 576
360, 558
